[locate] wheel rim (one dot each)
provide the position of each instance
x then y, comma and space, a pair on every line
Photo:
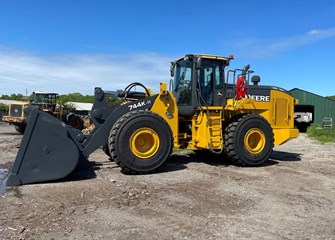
254, 141
144, 143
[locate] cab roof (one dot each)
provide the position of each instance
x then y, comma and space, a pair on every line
206, 56
45, 93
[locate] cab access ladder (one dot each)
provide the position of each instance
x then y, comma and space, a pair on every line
215, 131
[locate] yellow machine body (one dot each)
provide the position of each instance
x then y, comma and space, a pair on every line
207, 124
15, 113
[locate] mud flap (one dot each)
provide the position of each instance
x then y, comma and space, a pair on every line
49, 151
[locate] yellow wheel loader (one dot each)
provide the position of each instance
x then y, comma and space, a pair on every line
207, 109
16, 116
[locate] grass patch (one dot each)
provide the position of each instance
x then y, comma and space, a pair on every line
179, 150
322, 135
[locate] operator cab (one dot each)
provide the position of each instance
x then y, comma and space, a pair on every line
45, 101
198, 80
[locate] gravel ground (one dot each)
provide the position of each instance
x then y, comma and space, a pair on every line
292, 196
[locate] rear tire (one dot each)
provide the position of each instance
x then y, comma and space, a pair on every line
20, 129
249, 140
140, 141
76, 122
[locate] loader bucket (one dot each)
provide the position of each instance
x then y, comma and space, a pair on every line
49, 150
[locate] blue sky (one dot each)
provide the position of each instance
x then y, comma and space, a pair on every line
75, 45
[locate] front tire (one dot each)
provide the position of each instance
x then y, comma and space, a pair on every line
140, 141
106, 150
249, 140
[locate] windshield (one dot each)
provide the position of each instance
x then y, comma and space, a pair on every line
182, 83
45, 98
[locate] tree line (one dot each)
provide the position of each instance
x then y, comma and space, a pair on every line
71, 97
18, 97
3, 108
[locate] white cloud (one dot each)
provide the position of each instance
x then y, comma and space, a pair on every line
313, 32
321, 33
67, 73
264, 48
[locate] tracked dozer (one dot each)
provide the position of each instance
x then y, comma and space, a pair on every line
206, 108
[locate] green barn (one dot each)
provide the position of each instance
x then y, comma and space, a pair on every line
323, 107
